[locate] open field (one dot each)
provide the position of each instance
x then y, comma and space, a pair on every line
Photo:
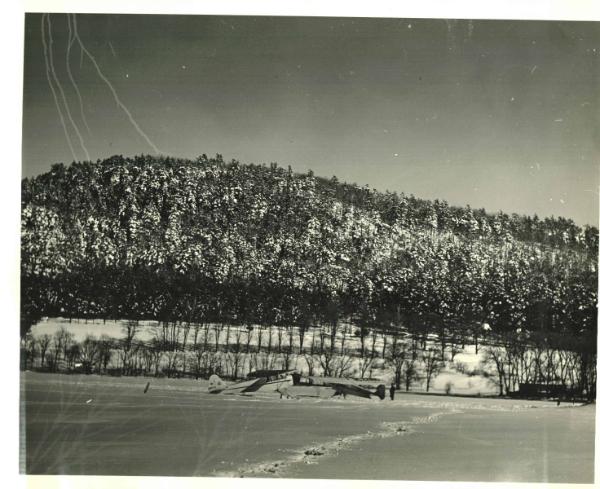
108, 426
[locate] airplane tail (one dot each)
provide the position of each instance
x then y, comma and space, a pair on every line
380, 391
215, 384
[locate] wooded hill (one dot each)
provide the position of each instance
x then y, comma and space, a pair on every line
206, 241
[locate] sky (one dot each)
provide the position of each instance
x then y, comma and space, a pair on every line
496, 114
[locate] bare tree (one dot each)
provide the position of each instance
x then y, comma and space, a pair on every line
249, 334
167, 338
410, 373
343, 337
454, 347
384, 336
342, 362
105, 345
253, 362
313, 342
269, 341
259, 336
185, 327
146, 359
266, 361
237, 338
227, 335
362, 332
156, 351
365, 362
310, 362
286, 357
212, 362
198, 364
128, 346
325, 357
279, 338
326, 361
342, 365
88, 353
496, 356
234, 360
43, 345
28, 349
302, 329
290, 337
433, 363
195, 335
206, 335
61, 338
217, 328
397, 355
72, 354
67, 343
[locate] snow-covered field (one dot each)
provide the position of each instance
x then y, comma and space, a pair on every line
110, 426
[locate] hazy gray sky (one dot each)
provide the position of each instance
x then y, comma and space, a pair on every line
496, 114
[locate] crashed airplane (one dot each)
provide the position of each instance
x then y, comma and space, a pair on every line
267, 380
291, 384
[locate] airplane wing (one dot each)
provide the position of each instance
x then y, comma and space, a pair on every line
255, 385
245, 386
216, 385
269, 374
329, 381
352, 390
347, 387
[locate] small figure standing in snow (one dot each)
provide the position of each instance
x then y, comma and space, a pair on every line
392, 391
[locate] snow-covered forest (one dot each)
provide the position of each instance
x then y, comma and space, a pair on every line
326, 270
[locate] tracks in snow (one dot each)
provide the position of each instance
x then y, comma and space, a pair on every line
314, 453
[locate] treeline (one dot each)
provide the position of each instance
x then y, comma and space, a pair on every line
571, 365
208, 242
200, 350
439, 215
